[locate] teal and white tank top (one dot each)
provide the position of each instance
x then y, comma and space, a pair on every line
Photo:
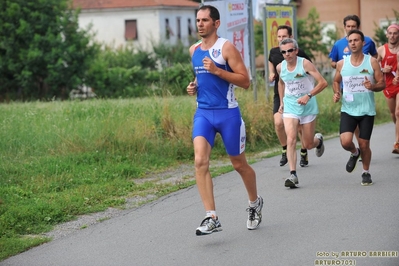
297, 83
356, 99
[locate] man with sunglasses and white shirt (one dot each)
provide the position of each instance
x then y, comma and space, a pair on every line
298, 105
275, 58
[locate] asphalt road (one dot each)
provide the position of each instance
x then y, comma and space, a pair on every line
330, 220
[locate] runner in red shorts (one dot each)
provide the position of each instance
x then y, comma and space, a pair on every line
387, 56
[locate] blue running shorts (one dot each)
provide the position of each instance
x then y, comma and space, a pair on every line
227, 122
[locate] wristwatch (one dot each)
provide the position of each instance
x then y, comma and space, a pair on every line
310, 95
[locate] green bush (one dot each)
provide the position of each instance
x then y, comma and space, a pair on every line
128, 72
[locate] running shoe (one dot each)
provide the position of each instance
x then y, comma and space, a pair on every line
366, 179
208, 226
304, 159
291, 181
395, 148
351, 164
255, 215
320, 148
283, 160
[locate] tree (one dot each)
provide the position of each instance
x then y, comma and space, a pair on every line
380, 32
43, 53
309, 35
258, 36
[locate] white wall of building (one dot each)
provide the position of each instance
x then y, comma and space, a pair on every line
109, 25
184, 17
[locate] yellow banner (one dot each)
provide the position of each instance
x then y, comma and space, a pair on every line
276, 16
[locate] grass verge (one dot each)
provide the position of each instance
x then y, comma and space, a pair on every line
60, 160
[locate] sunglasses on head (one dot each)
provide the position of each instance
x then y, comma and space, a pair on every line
288, 51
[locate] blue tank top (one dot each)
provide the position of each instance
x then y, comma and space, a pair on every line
356, 99
212, 91
297, 83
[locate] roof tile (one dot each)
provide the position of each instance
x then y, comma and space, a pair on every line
100, 4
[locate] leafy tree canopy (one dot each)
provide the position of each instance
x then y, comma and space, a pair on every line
380, 36
43, 53
310, 34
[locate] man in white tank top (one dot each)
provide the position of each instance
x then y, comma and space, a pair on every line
298, 106
361, 75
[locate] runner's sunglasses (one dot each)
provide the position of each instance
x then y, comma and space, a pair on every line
288, 51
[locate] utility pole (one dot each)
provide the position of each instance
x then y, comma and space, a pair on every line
251, 42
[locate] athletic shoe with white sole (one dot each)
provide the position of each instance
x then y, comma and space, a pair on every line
366, 179
208, 226
320, 148
351, 164
291, 181
255, 215
283, 160
304, 159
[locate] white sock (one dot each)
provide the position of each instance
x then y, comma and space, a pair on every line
254, 203
211, 214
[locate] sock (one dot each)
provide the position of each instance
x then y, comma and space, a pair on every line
293, 173
211, 214
284, 148
356, 153
366, 171
254, 203
304, 151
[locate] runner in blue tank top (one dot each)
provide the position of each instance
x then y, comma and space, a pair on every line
361, 76
218, 68
341, 49
298, 106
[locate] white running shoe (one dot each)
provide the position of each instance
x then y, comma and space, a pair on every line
255, 215
291, 181
320, 148
208, 226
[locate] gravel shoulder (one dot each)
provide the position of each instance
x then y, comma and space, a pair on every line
183, 173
